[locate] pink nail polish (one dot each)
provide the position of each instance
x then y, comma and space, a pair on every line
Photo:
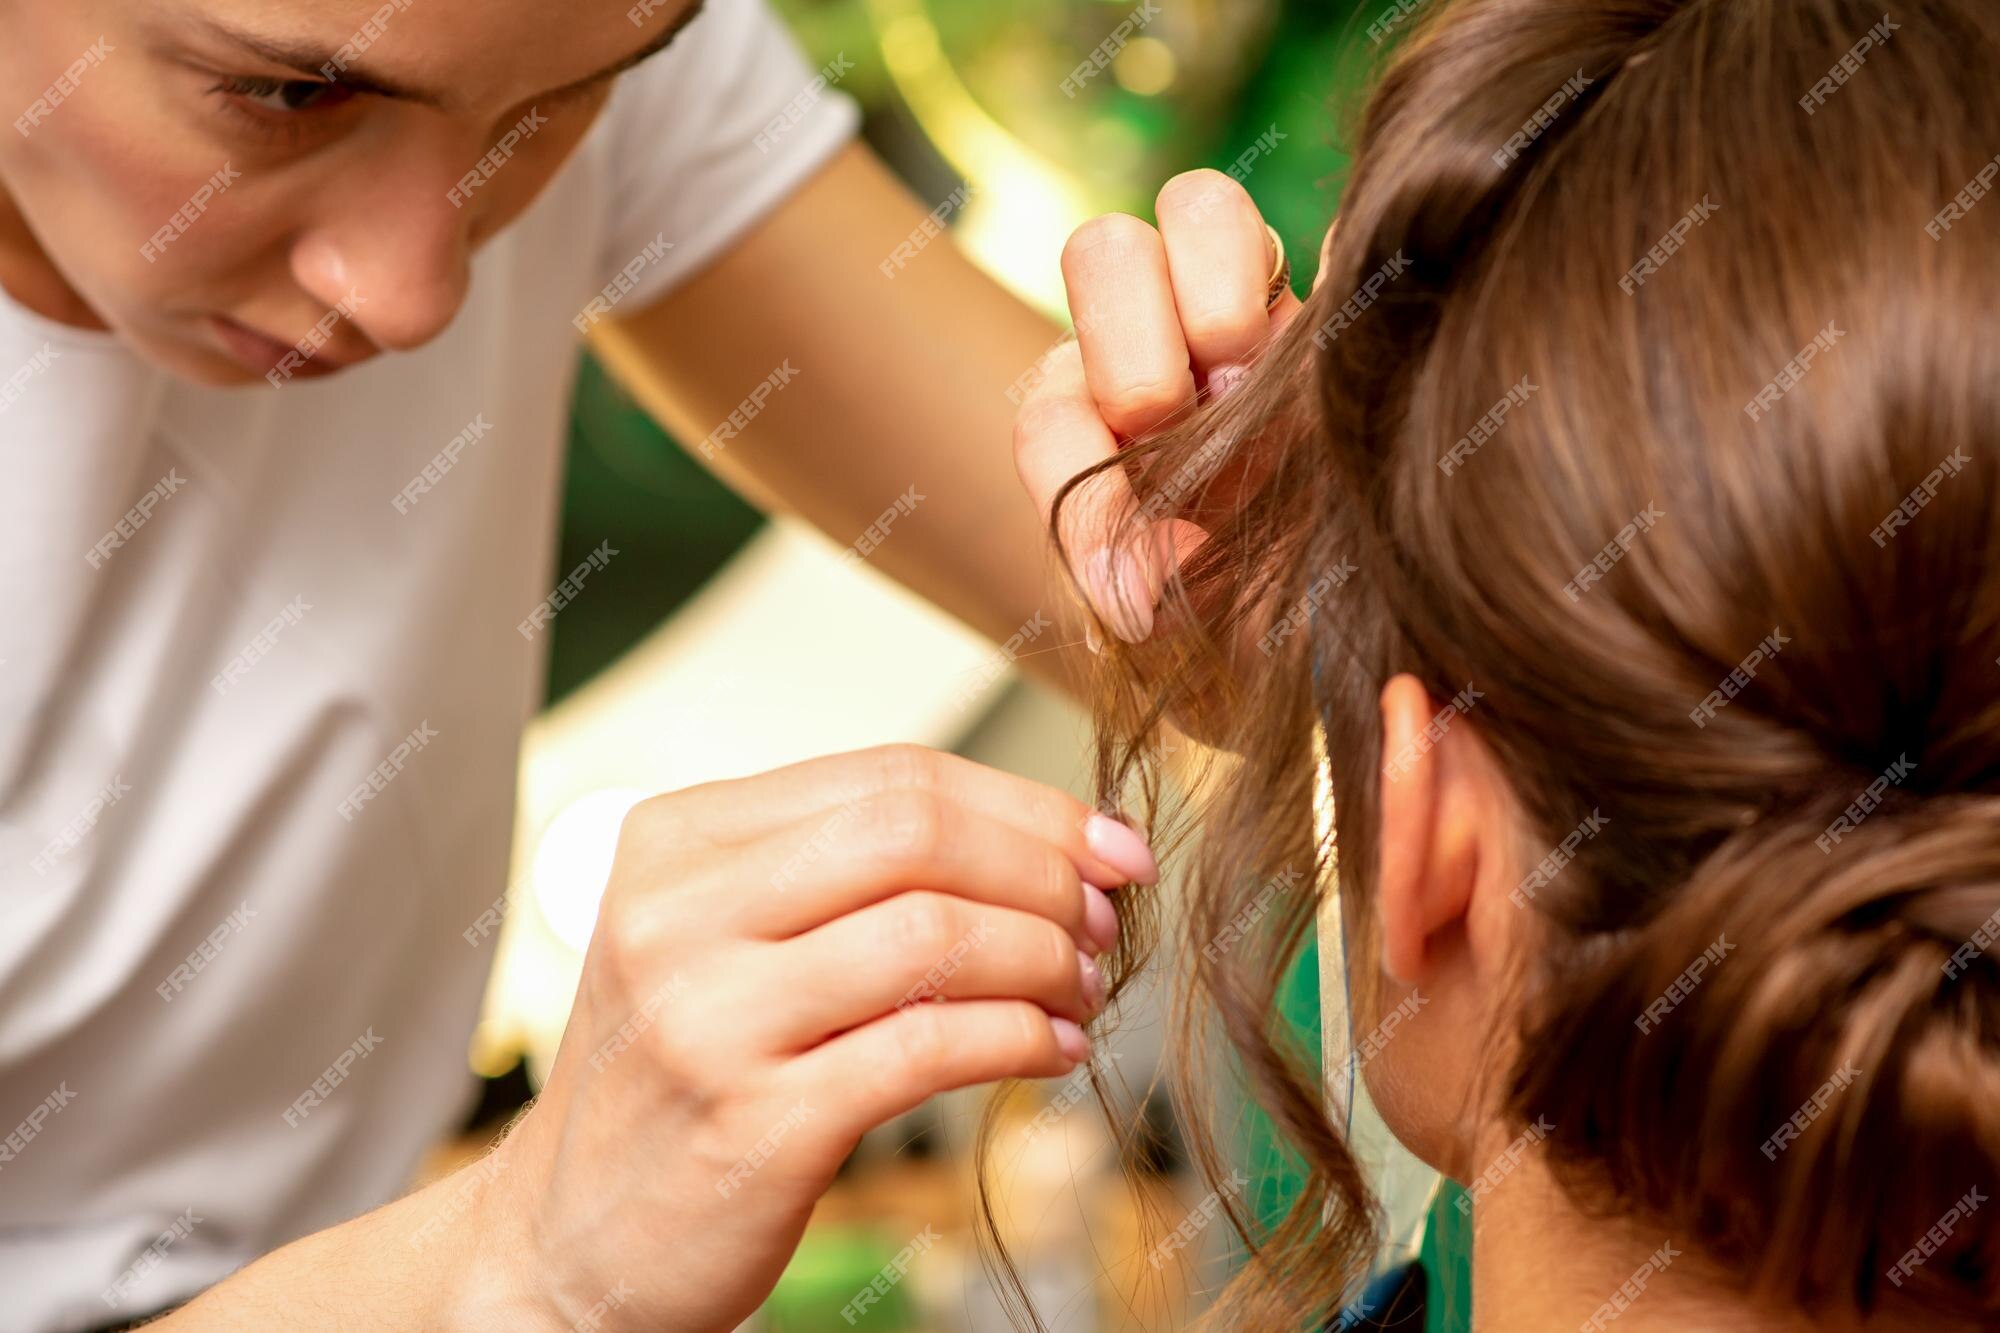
1225, 380
1093, 981
1100, 918
1134, 621
1118, 588
1096, 578
1120, 846
1070, 1038
1096, 575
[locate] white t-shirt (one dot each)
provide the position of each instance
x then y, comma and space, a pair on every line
258, 721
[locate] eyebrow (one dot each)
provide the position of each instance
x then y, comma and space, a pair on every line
312, 58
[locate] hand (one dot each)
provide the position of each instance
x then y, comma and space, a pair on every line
757, 995
1159, 315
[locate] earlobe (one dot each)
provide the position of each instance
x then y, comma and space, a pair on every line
1428, 857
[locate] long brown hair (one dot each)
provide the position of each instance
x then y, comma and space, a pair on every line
1653, 389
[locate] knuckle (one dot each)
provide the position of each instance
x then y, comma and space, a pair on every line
1235, 322
1105, 234
1025, 1027
678, 1024
894, 767
904, 826
920, 1039
1144, 402
1199, 193
917, 929
650, 822
625, 941
1042, 414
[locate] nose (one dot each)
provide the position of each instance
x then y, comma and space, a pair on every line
394, 250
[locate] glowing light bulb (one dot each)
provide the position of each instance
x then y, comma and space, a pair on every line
573, 862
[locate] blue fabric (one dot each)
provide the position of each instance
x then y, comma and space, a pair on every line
1393, 1302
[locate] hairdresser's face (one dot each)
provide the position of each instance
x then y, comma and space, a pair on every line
192, 177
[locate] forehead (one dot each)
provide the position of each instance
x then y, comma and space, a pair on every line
471, 52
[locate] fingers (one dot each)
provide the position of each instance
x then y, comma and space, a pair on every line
1220, 259
1122, 298
1285, 307
1058, 433
825, 789
1061, 431
910, 840
922, 948
897, 1062
1152, 309
1105, 852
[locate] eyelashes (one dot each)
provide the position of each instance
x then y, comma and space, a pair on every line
291, 111
293, 95
282, 110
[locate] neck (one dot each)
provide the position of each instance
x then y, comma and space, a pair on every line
1539, 1264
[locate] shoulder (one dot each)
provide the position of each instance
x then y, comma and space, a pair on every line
704, 140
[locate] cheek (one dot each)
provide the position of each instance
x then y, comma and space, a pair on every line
139, 219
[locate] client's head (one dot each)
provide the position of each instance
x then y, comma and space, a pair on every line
1622, 504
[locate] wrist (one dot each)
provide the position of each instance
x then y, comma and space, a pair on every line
497, 1280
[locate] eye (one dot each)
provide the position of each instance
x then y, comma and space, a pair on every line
286, 97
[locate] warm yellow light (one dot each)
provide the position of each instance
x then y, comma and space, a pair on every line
1024, 205
909, 41
496, 1048
1146, 66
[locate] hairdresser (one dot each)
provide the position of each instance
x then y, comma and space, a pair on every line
290, 298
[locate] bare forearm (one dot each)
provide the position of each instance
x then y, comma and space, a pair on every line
415, 1264
896, 398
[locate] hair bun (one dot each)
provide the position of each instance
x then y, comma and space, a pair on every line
1816, 985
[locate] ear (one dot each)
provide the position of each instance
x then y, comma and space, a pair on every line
1434, 824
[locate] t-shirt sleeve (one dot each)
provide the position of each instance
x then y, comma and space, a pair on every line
710, 136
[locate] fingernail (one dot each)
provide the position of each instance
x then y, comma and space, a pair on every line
1120, 592
1100, 918
1119, 845
1134, 623
1070, 1038
1095, 644
1093, 981
1225, 380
